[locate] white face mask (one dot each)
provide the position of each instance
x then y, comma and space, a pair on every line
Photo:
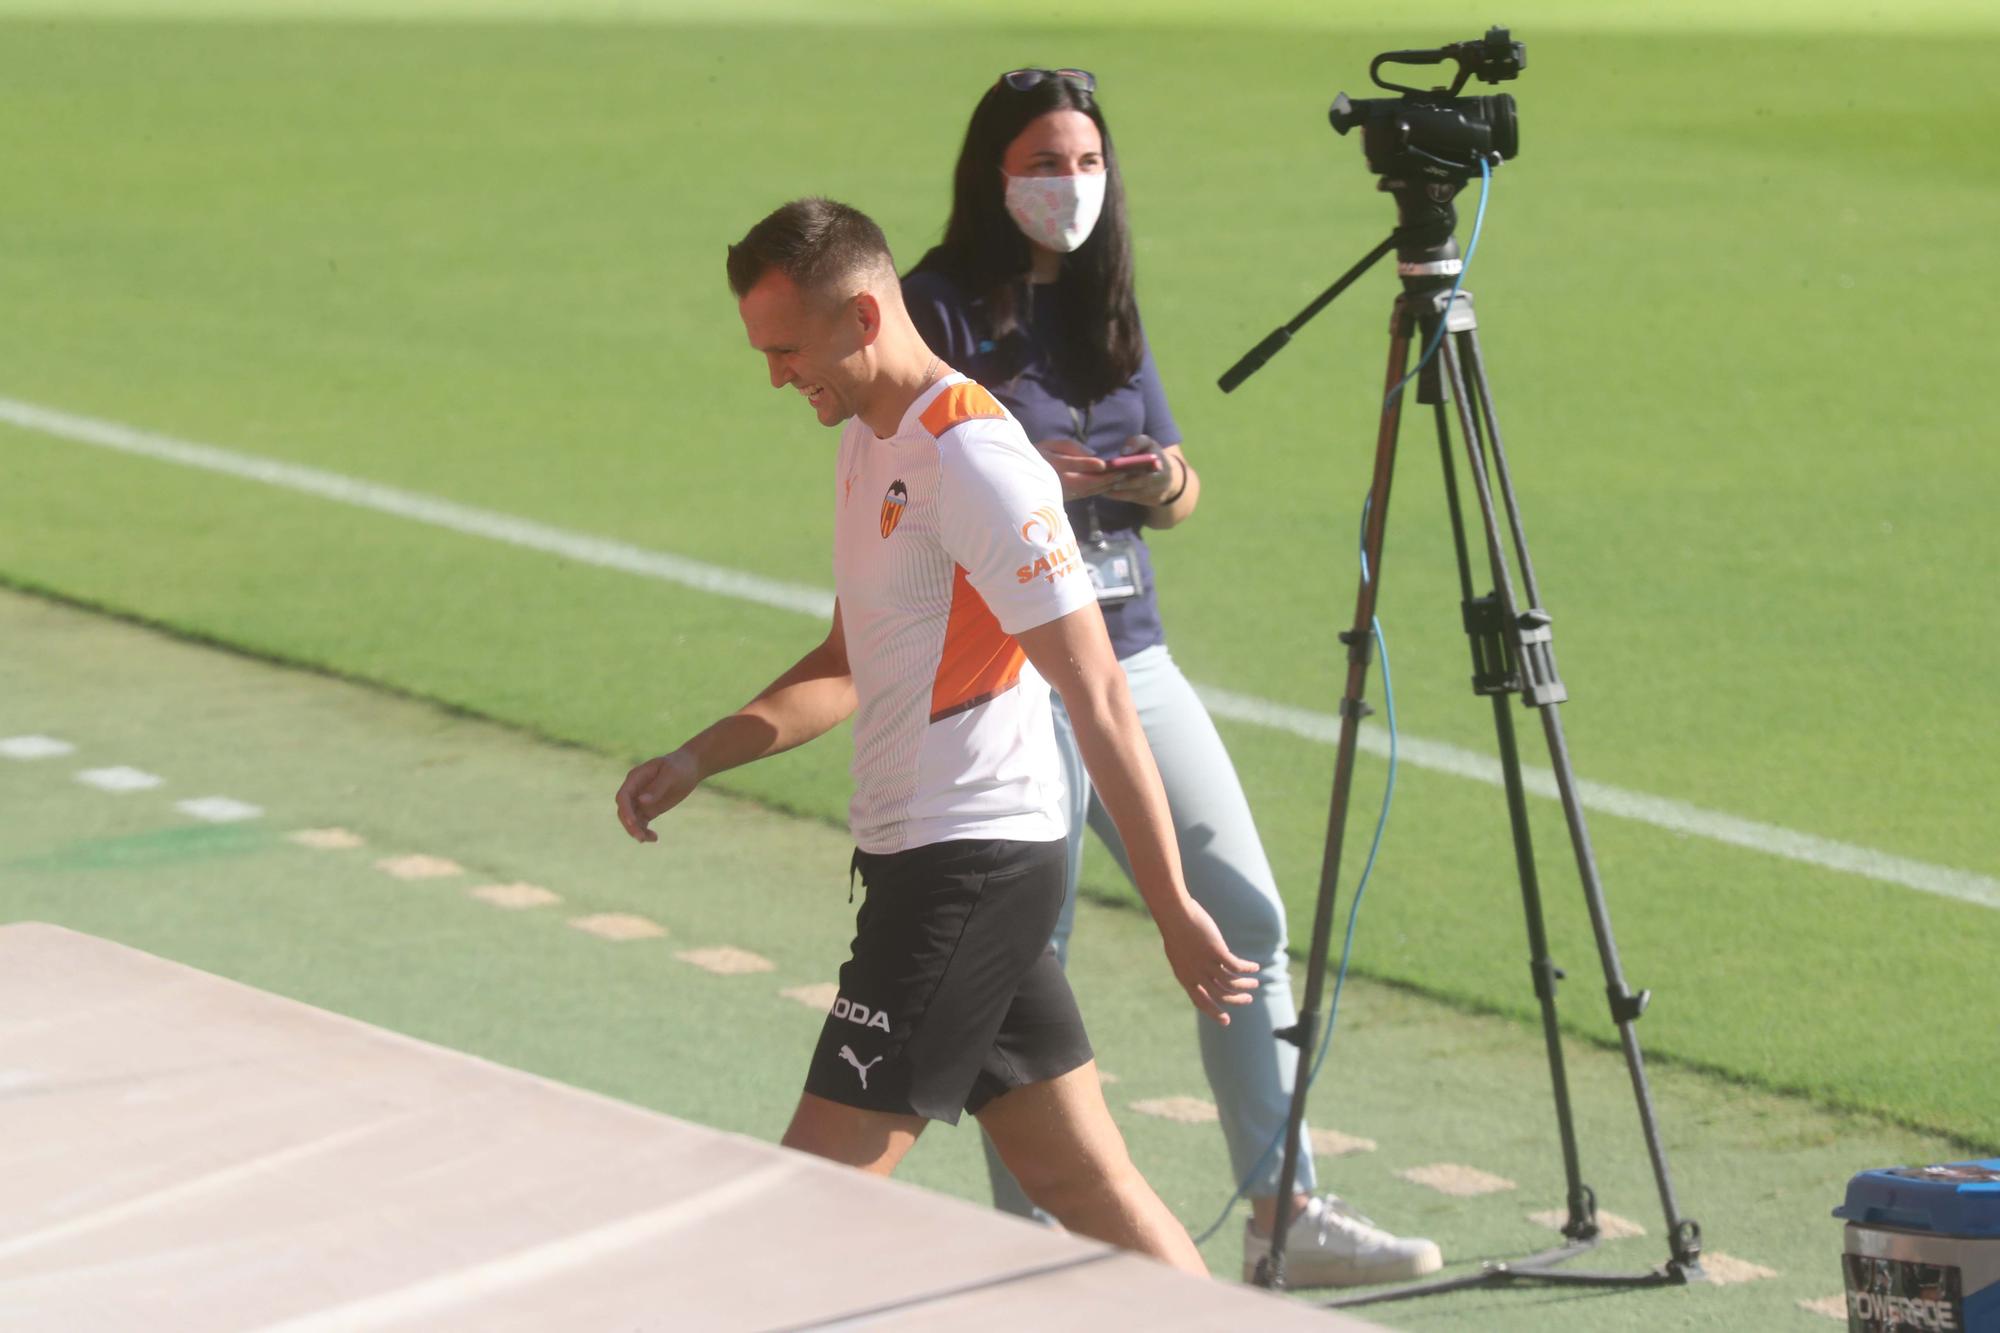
1056, 212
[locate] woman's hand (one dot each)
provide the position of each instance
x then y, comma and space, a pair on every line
1141, 485
1082, 473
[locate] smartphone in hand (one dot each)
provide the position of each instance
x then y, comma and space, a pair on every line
1149, 461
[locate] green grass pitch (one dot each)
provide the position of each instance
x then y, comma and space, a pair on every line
1731, 294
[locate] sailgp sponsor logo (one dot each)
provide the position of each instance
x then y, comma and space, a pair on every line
1047, 521
856, 1012
1045, 528
1049, 567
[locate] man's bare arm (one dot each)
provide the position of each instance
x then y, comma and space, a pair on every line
1074, 654
809, 700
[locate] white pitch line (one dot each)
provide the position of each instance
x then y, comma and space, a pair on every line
1603, 798
1662, 812
521, 532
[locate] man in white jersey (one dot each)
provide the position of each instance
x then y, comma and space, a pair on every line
960, 602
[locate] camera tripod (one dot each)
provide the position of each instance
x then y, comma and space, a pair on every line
1512, 654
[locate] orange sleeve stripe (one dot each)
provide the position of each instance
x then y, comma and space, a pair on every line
960, 402
980, 661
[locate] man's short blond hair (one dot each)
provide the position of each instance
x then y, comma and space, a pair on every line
825, 247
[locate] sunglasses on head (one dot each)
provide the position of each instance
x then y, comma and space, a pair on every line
1020, 80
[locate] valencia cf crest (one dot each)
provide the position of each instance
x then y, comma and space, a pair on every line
892, 506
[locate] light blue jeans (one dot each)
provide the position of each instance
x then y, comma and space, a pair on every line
1250, 1072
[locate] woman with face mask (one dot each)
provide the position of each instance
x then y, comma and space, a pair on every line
1031, 294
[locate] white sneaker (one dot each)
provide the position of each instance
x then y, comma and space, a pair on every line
1330, 1245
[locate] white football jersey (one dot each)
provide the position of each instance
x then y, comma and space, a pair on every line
949, 539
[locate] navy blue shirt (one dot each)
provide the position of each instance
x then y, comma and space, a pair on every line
1022, 376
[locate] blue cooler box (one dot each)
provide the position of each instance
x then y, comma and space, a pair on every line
1923, 1249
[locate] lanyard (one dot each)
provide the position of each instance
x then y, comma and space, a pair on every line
1093, 521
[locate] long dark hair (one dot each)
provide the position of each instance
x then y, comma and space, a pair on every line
1099, 346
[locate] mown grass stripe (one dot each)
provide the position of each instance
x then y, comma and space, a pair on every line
1675, 816
428, 509
1602, 798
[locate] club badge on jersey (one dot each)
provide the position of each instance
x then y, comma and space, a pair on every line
893, 505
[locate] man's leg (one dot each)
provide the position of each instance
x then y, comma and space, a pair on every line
1059, 1140
928, 985
874, 1141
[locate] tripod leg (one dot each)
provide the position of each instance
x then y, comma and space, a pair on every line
1304, 1033
1542, 689
1493, 675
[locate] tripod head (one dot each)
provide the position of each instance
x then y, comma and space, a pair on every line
1426, 145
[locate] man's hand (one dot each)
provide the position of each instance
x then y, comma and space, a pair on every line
1082, 473
1074, 655
1212, 976
652, 789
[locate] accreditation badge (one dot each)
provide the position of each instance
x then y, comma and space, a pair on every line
1116, 574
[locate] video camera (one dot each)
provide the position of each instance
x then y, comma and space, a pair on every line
1437, 134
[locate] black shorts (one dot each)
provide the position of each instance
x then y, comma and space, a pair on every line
952, 994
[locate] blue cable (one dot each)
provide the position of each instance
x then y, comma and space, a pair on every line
1353, 908
1389, 701
1471, 249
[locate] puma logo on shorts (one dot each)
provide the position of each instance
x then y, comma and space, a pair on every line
847, 1054
951, 969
